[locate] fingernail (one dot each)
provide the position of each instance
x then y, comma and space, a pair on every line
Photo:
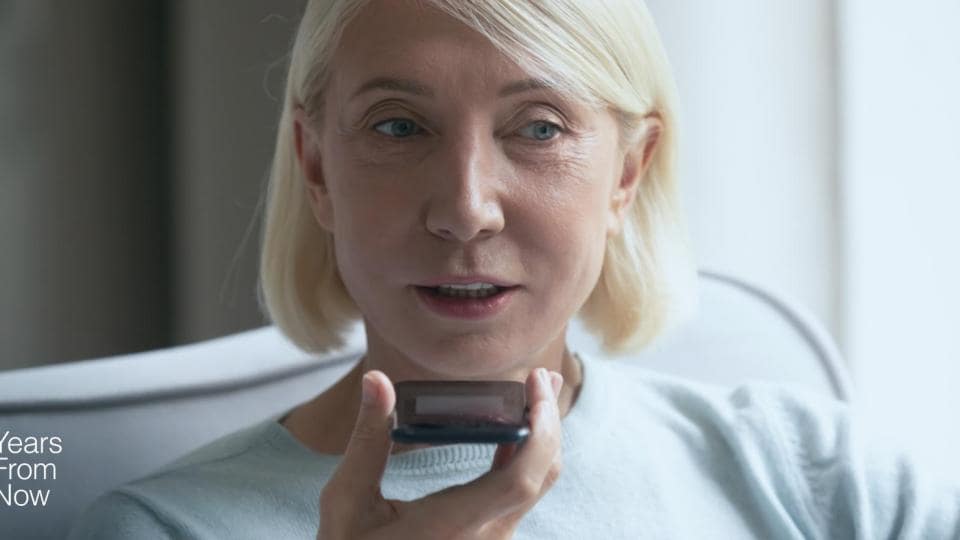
544, 379
556, 380
369, 392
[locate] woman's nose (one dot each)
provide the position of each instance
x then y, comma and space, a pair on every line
464, 202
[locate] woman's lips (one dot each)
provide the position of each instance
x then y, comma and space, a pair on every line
464, 280
466, 308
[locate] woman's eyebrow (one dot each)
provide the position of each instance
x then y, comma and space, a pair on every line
525, 85
411, 86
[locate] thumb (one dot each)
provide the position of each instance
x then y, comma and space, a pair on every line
369, 447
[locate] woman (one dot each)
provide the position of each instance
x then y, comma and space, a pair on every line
528, 146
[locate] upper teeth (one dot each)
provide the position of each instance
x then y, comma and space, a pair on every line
469, 287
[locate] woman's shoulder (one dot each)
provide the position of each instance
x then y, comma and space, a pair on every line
661, 391
229, 479
763, 425
814, 455
117, 515
233, 445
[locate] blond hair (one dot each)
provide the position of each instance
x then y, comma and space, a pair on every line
604, 53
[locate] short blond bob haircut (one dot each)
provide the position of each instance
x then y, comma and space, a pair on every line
601, 52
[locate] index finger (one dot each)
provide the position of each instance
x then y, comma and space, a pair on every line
506, 451
536, 455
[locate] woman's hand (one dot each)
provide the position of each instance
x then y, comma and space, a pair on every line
489, 507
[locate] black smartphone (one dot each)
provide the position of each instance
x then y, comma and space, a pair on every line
445, 412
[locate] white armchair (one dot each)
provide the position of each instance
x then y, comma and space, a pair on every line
119, 418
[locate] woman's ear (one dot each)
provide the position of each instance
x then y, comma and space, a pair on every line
636, 162
307, 144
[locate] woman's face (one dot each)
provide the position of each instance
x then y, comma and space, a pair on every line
433, 159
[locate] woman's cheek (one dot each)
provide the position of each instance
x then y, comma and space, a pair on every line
562, 164
561, 190
381, 208
373, 153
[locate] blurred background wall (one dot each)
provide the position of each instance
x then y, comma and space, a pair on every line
820, 158
85, 181
134, 140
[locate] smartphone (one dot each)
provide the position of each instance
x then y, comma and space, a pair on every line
445, 412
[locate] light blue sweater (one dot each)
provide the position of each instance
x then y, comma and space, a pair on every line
645, 456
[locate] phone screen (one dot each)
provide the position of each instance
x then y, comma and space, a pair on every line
442, 412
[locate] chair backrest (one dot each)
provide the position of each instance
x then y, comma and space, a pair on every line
119, 418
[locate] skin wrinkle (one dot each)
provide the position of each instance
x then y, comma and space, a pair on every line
469, 193
565, 165
548, 108
569, 159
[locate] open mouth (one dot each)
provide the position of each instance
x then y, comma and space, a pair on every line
467, 304
461, 294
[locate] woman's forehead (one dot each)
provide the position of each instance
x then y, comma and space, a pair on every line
438, 51
386, 27
415, 87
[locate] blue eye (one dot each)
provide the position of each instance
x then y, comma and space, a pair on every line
542, 130
399, 128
